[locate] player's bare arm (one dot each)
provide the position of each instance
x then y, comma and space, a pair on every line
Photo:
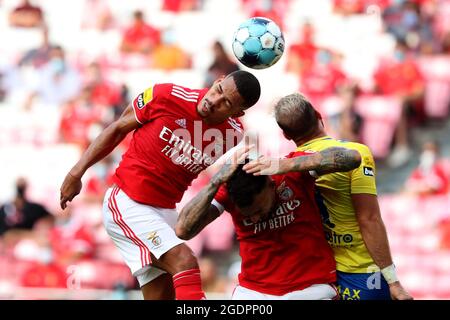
103, 145
330, 160
199, 212
375, 237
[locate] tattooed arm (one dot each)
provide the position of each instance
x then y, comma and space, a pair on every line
334, 159
199, 212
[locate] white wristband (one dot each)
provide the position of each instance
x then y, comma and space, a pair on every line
389, 273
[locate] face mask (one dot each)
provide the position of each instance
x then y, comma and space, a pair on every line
324, 57
410, 19
427, 160
57, 65
168, 37
399, 55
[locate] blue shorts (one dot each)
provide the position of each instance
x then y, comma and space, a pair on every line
362, 286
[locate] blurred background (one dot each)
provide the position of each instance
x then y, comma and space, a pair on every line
377, 70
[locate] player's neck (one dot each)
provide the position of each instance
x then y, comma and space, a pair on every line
318, 134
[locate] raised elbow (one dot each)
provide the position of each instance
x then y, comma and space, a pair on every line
182, 233
356, 156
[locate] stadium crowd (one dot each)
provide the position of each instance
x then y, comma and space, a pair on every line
376, 70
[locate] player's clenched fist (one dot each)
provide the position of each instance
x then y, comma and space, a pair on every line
69, 189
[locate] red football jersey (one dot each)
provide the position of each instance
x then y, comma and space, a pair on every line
288, 251
173, 145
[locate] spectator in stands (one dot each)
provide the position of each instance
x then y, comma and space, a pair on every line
347, 123
177, 6
400, 76
26, 15
58, 81
302, 54
430, 177
402, 19
168, 55
271, 9
20, 213
325, 77
39, 56
104, 93
71, 240
348, 7
97, 15
221, 65
140, 37
77, 118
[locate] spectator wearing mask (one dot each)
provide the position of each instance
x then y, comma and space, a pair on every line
58, 81
400, 76
429, 178
20, 213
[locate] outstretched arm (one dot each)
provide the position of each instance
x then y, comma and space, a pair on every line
334, 159
199, 212
98, 149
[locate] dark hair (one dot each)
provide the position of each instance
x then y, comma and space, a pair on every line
296, 116
247, 86
243, 187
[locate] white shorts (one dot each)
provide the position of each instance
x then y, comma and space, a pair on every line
314, 292
138, 229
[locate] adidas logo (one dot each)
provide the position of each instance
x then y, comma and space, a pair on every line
181, 123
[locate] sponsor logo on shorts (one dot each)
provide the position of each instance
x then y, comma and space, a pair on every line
368, 171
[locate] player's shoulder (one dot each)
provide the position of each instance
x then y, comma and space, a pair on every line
180, 93
362, 148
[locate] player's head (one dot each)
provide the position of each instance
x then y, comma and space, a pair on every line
297, 117
229, 96
254, 196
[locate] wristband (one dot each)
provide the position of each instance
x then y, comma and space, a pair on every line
389, 273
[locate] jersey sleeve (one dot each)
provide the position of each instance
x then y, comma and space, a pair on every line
222, 201
363, 178
147, 104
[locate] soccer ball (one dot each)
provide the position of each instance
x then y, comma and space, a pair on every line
258, 43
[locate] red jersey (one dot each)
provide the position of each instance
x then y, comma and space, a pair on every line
173, 145
288, 251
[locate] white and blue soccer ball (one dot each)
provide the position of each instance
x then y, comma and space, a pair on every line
258, 43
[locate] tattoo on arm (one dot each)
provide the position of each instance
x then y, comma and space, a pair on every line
338, 159
197, 214
333, 159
